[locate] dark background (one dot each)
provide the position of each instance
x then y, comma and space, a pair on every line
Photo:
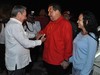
75, 6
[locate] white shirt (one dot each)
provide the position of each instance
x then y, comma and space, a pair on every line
33, 28
17, 44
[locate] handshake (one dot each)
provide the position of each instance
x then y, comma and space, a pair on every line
41, 37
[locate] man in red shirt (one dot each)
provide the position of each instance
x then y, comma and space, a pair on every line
58, 44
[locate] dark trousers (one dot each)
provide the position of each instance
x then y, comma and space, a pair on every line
2, 56
17, 71
34, 53
54, 69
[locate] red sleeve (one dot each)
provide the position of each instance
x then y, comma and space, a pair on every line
67, 35
43, 31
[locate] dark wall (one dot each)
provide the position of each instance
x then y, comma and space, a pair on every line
74, 6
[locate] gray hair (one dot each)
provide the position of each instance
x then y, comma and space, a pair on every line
16, 9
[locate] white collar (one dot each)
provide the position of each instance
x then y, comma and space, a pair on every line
14, 19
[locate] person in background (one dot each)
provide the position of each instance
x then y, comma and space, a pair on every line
98, 50
58, 44
71, 17
42, 18
68, 16
2, 46
17, 55
4, 17
85, 44
33, 27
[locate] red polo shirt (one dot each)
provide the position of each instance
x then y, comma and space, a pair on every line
58, 44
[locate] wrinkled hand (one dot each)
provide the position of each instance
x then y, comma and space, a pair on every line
38, 36
43, 38
65, 64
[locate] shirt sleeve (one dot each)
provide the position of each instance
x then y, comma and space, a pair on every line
30, 35
22, 38
43, 31
67, 35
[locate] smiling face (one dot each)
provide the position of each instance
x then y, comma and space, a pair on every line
53, 14
80, 21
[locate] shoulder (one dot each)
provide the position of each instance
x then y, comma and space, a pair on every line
92, 36
65, 21
12, 25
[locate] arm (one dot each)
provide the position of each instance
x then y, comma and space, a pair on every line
68, 41
22, 38
30, 35
42, 32
67, 34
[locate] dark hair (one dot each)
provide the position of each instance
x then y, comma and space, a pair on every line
16, 9
55, 6
92, 25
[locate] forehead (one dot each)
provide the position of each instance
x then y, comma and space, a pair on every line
50, 8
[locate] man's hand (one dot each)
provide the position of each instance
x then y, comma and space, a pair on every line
65, 64
38, 36
43, 38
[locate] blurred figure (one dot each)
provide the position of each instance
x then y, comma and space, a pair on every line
17, 54
85, 44
4, 17
69, 16
58, 44
33, 27
96, 66
98, 50
43, 18
2, 47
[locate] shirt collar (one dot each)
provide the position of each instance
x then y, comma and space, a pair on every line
14, 19
60, 18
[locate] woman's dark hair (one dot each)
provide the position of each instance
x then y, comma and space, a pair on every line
90, 22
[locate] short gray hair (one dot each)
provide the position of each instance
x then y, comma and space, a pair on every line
16, 9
